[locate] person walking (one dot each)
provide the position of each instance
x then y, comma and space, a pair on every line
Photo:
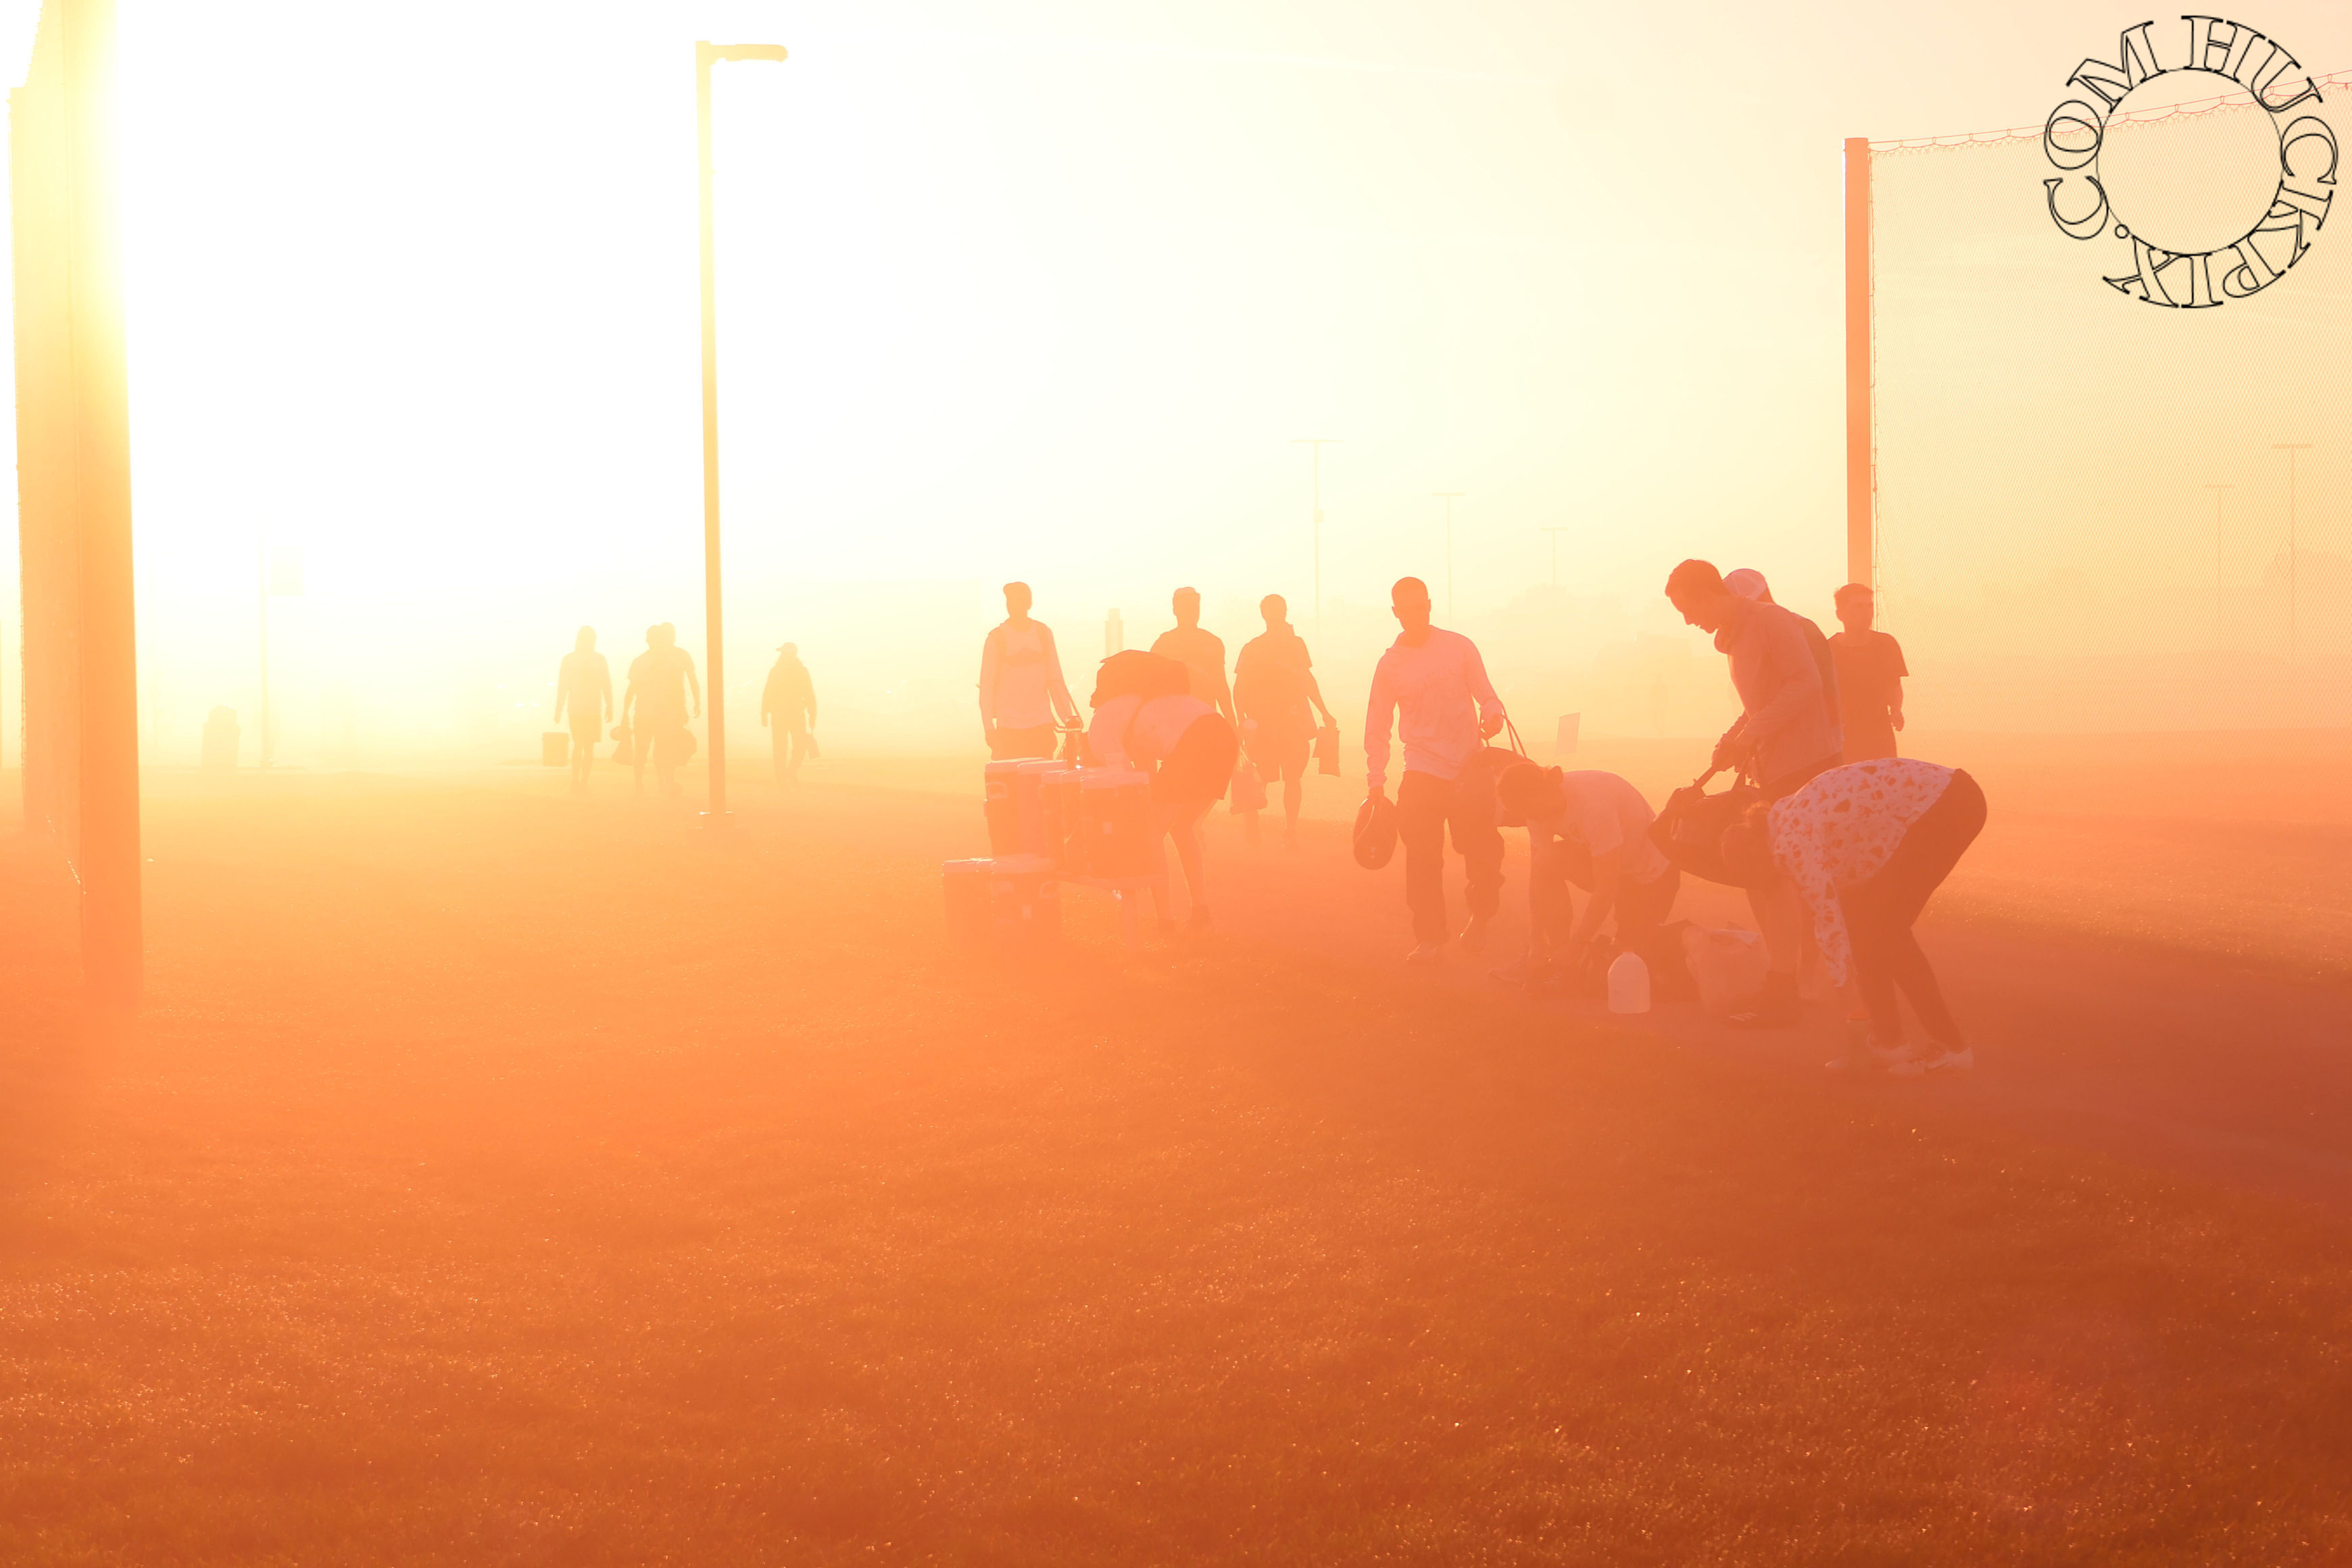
1146, 717
1201, 652
1276, 701
1867, 845
1782, 739
1590, 828
655, 710
584, 687
788, 709
1870, 677
1021, 694
1432, 687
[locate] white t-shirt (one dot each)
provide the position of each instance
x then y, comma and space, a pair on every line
1433, 695
1604, 812
1021, 678
1129, 732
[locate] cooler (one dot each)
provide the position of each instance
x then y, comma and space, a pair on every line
1030, 808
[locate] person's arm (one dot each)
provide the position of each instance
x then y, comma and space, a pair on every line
1064, 708
1380, 713
1895, 679
1315, 695
1608, 875
1490, 707
1224, 697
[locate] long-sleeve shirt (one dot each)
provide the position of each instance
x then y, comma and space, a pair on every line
1784, 714
1435, 695
1841, 830
1021, 678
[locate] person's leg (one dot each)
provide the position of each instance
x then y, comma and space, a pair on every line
799, 754
1930, 848
1185, 832
1872, 929
1294, 791
1470, 817
1421, 803
779, 752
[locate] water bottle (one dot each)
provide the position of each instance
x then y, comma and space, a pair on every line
1628, 984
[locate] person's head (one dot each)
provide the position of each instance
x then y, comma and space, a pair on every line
1187, 603
1017, 600
1135, 673
1748, 584
663, 635
1747, 847
1276, 611
1527, 791
1409, 602
653, 635
586, 641
790, 650
1696, 590
1857, 606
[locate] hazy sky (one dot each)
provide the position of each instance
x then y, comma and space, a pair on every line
1038, 291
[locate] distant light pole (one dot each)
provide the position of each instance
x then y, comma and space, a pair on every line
1555, 533
714, 655
2290, 449
1449, 498
2221, 624
1318, 443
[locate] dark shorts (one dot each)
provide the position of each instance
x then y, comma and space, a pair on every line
1194, 775
1280, 753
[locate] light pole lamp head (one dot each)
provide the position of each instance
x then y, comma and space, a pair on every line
707, 53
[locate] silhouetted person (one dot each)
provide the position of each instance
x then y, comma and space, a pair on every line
655, 707
1870, 677
1865, 844
1432, 686
1782, 739
1147, 717
1201, 652
1276, 697
1021, 694
1592, 828
584, 687
1748, 584
788, 707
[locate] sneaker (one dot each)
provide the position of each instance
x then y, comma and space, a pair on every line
1887, 1056
1473, 935
1950, 1061
1426, 953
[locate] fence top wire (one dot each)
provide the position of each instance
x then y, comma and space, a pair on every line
2239, 100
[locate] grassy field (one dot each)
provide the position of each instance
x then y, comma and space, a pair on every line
496, 1178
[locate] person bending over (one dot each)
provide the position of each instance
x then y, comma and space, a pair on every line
1276, 696
1145, 718
1782, 737
1432, 686
1592, 828
1865, 844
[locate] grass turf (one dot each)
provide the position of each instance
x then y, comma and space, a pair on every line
496, 1181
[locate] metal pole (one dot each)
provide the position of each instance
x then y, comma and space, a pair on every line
1449, 496
1555, 533
1316, 445
263, 550
2290, 449
714, 658
1860, 459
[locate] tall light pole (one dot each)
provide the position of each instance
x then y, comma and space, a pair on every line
1449, 498
2220, 623
2290, 449
1317, 444
714, 655
1555, 533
